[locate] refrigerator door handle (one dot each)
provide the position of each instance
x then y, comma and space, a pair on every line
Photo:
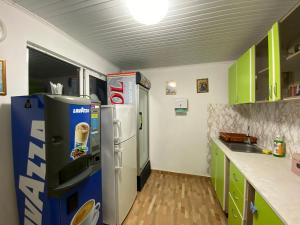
119, 152
141, 120
118, 138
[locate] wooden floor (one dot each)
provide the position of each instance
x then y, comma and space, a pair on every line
174, 199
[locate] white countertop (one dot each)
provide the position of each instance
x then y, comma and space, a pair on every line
272, 178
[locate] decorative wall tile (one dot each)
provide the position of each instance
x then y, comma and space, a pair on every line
266, 120
226, 118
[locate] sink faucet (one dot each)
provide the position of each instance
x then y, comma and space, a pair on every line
248, 140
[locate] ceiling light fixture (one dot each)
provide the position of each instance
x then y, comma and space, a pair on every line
148, 12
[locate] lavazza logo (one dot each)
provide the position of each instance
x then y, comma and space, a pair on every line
33, 183
81, 110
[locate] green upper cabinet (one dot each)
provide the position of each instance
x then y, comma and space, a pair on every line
274, 64
262, 71
289, 67
270, 70
267, 67
241, 79
264, 214
232, 89
246, 77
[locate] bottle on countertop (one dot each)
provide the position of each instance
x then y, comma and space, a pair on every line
279, 146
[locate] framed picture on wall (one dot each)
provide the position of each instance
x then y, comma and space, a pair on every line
2, 77
171, 88
202, 85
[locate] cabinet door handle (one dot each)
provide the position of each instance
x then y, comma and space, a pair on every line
235, 177
253, 209
235, 197
234, 215
275, 90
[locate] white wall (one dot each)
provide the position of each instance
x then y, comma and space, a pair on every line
179, 143
23, 27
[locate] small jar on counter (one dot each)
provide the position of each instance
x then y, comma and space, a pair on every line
279, 147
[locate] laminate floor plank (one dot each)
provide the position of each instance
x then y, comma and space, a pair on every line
176, 199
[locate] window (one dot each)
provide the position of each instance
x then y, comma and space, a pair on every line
98, 89
44, 69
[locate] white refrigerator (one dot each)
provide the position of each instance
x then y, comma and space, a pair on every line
133, 88
119, 161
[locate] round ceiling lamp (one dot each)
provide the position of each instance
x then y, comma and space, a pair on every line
148, 12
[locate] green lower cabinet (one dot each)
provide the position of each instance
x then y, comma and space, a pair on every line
264, 214
220, 182
234, 217
237, 196
217, 172
236, 178
213, 164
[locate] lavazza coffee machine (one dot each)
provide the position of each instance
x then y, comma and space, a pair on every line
57, 160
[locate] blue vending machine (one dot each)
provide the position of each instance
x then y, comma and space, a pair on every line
57, 164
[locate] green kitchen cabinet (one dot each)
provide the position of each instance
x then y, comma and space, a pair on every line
237, 187
234, 216
262, 87
289, 66
217, 172
245, 70
267, 67
232, 88
213, 166
220, 179
264, 214
274, 64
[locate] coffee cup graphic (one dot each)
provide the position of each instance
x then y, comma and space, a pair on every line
82, 131
88, 214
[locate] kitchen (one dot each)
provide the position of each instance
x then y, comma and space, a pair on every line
213, 66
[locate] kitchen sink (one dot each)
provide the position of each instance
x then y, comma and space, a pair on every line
243, 147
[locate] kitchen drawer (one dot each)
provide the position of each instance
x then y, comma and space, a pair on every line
236, 178
234, 217
237, 197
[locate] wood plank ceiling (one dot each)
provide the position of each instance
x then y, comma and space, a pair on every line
194, 31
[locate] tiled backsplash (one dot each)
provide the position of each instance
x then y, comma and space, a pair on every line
266, 120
